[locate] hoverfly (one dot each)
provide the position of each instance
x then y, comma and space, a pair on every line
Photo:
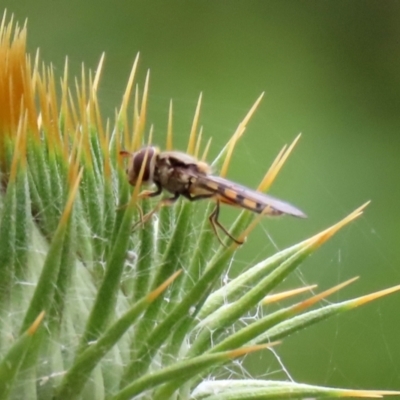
183, 175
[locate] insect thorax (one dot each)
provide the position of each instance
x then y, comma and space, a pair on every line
174, 175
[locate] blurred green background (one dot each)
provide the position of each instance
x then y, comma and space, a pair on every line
329, 69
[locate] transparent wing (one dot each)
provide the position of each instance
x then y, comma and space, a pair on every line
237, 195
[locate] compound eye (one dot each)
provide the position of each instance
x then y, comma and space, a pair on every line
146, 156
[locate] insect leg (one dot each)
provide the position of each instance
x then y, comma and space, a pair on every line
149, 193
190, 197
213, 218
164, 202
169, 200
215, 223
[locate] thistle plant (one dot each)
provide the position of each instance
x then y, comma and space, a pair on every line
91, 308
